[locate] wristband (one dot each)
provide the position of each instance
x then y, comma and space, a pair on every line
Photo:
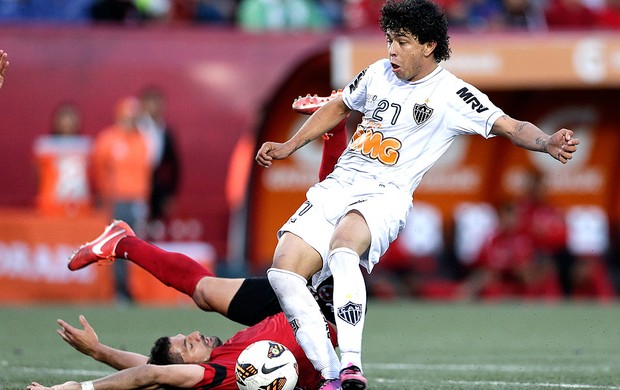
87, 385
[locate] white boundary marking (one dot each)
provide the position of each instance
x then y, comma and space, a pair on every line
60, 371
490, 367
505, 383
381, 366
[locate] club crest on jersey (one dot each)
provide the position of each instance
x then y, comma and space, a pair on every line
350, 313
421, 113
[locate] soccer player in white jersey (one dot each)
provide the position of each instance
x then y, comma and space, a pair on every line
412, 111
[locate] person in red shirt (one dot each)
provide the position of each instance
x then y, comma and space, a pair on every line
182, 361
569, 15
194, 360
507, 266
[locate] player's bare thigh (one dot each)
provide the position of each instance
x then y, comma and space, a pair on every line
215, 294
295, 255
352, 232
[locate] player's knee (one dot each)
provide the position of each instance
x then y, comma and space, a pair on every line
343, 261
277, 276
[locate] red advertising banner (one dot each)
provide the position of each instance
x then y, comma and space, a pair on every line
34, 250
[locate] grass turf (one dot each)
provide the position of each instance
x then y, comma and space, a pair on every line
407, 344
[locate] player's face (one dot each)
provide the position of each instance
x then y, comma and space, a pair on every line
194, 348
410, 59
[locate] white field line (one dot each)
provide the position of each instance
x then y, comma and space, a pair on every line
380, 366
59, 371
490, 367
534, 385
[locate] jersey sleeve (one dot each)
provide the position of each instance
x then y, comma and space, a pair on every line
354, 95
214, 377
472, 111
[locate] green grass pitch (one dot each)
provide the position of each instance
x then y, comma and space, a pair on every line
407, 344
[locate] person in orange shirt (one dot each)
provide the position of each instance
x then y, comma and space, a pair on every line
122, 177
62, 158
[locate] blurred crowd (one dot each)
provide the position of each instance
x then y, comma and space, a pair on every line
528, 250
130, 170
468, 15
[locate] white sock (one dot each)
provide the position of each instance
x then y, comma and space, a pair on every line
304, 315
349, 304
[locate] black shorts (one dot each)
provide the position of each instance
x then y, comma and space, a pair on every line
256, 301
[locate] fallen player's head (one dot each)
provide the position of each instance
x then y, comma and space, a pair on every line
194, 348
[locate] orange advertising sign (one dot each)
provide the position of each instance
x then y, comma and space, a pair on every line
33, 259
511, 61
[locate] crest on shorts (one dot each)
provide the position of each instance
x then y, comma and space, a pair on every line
350, 313
295, 325
421, 113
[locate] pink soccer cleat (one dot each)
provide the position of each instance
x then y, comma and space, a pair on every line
352, 379
330, 384
309, 104
101, 249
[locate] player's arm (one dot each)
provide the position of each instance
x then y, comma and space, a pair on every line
4, 66
86, 341
560, 145
147, 376
319, 123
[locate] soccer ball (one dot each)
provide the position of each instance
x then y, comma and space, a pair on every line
266, 365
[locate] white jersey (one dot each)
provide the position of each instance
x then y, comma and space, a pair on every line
407, 126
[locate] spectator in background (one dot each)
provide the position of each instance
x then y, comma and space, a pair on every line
524, 15
546, 226
116, 11
569, 15
122, 177
162, 152
155, 10
215, 11
257, 15
62, 163
474, 14
359, 14
507, 266
4, 66
609, 15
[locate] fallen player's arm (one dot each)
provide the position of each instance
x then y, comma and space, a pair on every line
560, 145
86, 341
147, 376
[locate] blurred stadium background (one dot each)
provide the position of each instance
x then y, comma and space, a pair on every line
230, 71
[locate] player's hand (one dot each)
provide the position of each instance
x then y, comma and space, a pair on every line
270, 151
36, 386
65, 386
561, 145
84, 340
4, 65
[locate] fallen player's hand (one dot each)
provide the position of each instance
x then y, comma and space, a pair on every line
65, 386
36, 386
84, 340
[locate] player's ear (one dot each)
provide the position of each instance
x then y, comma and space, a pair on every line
429, 48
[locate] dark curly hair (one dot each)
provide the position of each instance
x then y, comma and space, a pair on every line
161, 355
422, 18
